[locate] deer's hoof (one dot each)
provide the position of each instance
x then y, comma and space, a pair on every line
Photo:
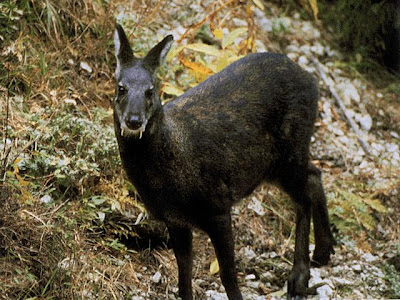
322, 254
298, 283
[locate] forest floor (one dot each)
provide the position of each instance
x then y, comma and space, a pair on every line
80, 245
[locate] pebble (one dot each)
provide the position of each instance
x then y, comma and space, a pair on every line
325, 292
366, 122
348, 92
250, 277
356, 268
156, 277
214, 295
368, 257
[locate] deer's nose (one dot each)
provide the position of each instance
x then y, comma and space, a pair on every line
133, 122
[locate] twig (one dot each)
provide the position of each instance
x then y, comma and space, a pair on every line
6, 151
34, 216
335, 95
197, 25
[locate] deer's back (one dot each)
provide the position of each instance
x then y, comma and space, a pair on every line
240, 127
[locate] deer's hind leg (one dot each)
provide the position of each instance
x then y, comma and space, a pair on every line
324, 240
293, 181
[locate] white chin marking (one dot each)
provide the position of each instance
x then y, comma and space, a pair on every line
126, 132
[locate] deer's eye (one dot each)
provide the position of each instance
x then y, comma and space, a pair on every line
149, 93
121, 90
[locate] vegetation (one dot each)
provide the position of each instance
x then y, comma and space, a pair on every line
360, 28
70, 224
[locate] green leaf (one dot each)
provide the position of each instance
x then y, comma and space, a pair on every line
375, 205
231, 37
172, 90
203, 48
97, 200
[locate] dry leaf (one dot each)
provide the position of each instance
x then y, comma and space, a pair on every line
214, 267
314, 7
198, 68
259, 4
171, 90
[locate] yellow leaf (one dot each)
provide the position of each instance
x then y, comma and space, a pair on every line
21, 181
259, 4
199, 68
171, 90
203, 48
218, 33
231, 37
314, 7
214, 267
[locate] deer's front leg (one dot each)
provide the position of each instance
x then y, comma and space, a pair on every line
219, 228
181, 239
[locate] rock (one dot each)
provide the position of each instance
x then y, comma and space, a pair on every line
325, 292
393, 148
85, 66
348, 92
303, 61
395, 135
156, 277
214, 295
318, 49
366, 122
46, 199
248, 253
368, 257
250, 277
256, 206
356, 268
253, 284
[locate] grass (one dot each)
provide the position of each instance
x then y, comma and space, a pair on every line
70, 224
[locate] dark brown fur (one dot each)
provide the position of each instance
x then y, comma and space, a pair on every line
209, 148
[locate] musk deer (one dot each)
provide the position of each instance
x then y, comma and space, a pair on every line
193, 158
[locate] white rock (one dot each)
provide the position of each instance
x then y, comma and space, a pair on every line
348, 92
250, 277
303, 60
253, 284
325, 292
341, 281
256, 206
368, 257
292, 48
248, 253
318, 49
214, 295
392, 148
156, 277
366, 122
356, 268
46, 199
273, 254
85, 66
394, 134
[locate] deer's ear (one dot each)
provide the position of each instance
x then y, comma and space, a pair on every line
123, 50
156, 55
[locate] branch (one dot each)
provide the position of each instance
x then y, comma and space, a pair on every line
339, 101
